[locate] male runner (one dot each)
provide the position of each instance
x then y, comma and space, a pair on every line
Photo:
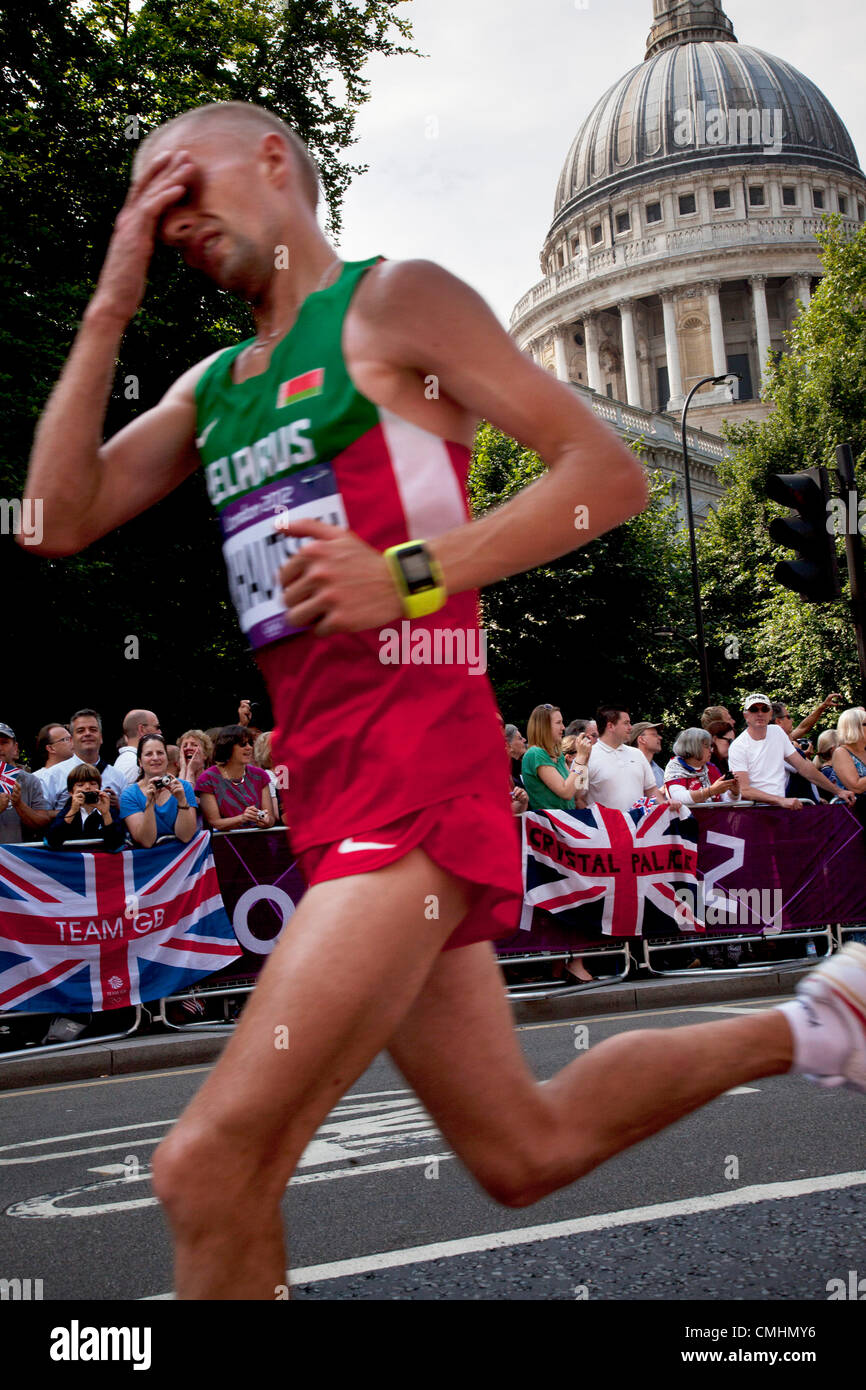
360, 393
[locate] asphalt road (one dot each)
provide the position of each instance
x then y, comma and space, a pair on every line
759, 1196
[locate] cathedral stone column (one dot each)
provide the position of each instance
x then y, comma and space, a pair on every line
593, 365
672, 348
629, 352
717, 331
803, 289
559, 354
762, 321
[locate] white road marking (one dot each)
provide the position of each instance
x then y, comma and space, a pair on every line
729, 1008
357, 1129
349, 1105
81, 1153
48, 1204
526, 1235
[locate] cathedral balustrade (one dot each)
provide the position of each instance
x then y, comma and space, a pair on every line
749, 231
645, 248
659, 429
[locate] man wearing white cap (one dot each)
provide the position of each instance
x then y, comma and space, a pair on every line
758, 756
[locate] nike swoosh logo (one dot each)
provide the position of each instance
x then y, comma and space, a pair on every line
349, 846
200, 442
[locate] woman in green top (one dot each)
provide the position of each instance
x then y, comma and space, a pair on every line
548, 782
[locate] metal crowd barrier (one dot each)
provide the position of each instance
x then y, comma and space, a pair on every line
697, 944
639, 951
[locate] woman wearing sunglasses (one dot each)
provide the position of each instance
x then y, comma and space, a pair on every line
234, 793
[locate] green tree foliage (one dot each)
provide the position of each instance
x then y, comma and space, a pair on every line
583, 630
791, 649
80, 85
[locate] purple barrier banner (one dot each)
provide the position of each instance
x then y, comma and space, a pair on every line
261, 886
119, 928
760, 870
767, 869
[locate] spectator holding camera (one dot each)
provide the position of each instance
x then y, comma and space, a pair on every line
87, 814
157, 803
722, 735
234, 792
688, 779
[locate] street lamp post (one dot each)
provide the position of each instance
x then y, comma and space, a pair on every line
696, 588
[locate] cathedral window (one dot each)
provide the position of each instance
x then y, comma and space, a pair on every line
595, 233
653, 212
623, 222
687, 204
789, 196
721, 197
843, 204
756, 195
818, 197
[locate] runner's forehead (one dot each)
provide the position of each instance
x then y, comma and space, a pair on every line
206, 146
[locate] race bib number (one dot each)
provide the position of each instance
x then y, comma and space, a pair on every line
254, 551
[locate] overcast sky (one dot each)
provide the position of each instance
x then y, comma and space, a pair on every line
465, 146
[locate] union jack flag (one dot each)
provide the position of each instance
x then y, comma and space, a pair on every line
9, 775
81, 932
617, 872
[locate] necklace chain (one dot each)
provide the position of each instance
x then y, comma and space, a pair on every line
262, 343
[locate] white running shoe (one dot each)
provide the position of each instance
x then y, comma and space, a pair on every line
840, 982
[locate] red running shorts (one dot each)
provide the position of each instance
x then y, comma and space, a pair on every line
476, 838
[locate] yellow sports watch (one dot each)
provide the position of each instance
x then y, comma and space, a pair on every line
418, 578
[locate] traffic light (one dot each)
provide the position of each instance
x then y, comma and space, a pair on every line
805, 530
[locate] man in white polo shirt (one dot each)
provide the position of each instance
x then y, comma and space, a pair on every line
618, 775
758, 756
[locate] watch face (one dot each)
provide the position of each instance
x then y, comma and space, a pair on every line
416, 570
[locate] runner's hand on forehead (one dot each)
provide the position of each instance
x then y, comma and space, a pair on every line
123, 279
337, 582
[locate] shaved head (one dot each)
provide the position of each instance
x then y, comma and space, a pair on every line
246, 123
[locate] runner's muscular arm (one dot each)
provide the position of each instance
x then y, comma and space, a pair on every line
452, 334
85, 487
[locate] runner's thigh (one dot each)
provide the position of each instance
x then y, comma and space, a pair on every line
346, 969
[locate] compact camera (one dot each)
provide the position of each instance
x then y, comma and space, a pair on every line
90, 798
160, 782
262, 816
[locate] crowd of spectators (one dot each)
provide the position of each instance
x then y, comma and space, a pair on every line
612, 762
222, 779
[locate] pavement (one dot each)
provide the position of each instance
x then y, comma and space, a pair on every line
197, 1045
